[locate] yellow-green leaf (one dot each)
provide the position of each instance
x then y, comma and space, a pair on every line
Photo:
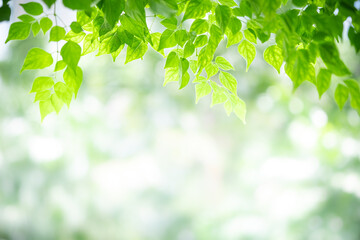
37, 59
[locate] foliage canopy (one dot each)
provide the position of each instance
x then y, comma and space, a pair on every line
302, 34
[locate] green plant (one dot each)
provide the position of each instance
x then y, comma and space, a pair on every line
301, 33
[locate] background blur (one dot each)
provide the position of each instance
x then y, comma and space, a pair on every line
133, 160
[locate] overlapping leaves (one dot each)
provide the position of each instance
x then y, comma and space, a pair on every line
192, 32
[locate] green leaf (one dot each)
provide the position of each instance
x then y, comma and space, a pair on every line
228, 107
112, 10
35, 27
42, 96
197, 9
229, 81
170, 23
76, 27
223, 63
218, 95
42, 83
5, 11
172, 75
117, 52
172, 60
56, 102
78, 4
18, 31
45, 24
300, 69
234, 25
323, 81
167, 39
57, 33
45, 108
184, 65
26, 18
247, 51
300, 3
273, 56
250, 35
114, 43
199, 26
184, 80
200, 41
233, 38
341, 95
74, 37
229, 3
222, 15
200, 79
211, 69
331, 58
49, 3
181, 36
37, 58
90, 44
189, 49
194, 66
166, 8
354, 91
33, 8
71, 53
136, 51
60, 65
155, 38
201, 90
354, 39
239, 107
136, 10
63, 92
73, 79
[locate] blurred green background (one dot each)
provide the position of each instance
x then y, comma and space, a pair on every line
133, 160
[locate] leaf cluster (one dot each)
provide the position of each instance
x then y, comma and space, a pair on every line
301, 35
